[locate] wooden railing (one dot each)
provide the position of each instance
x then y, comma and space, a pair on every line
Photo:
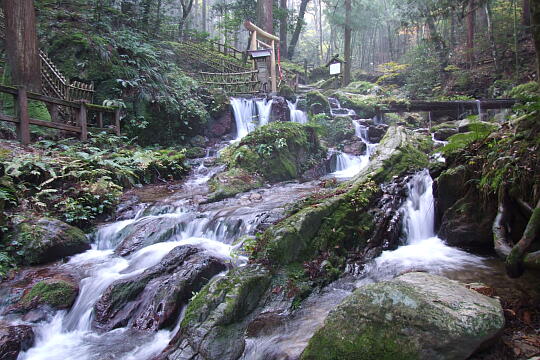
242, 83
82, 109
53, 82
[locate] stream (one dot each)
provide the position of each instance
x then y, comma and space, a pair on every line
145, 236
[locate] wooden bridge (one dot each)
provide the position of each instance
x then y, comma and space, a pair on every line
459, 107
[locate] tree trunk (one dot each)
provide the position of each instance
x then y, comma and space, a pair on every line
264, 15
321, 33
347, 44
514, 261
158, 16
470, 33
21, 43
526, 16
440, 46
489, 18
298, 28
186, 9
283, 28
535, 28
204, 28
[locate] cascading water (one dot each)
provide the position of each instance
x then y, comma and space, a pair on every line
252, 113
423, 250
347, 166
297, 115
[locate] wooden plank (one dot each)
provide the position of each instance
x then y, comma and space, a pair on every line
100, 119
23, 126
54, 125
94, 107
4, 117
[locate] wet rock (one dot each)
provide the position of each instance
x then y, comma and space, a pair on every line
415, 316
222, 125
463, 218
153, 299
147, 231
376, 133
255, 197
287, 92
14, 339
56, 293
45, 240
279, 110
265, 323
468, 222
217, 318
36, 292
445, 133
355, 147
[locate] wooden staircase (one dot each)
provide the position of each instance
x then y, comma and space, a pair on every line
53, 82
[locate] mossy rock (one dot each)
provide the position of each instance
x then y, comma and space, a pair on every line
46, 240
287, 92
232, 182
317, 103
278, 151
364, 105
56, 293
415, 316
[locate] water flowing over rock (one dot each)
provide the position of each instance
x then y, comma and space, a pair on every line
153, 299
46, 240
415, 316
14, 339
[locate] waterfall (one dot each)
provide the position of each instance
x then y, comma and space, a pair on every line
348, 165
252, 113
297, 115
423, 250
337, 110
244, 114
263, 107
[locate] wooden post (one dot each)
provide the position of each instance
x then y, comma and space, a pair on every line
23, 126
53, 111
81, 121
253, 45
117, 121
273, 67
100, 119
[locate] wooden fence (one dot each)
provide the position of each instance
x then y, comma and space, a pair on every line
81, 108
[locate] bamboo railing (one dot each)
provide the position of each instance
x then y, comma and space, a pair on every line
242, 83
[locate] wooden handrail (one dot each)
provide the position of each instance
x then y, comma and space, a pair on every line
81, 107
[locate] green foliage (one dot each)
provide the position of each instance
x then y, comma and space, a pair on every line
80, 181
423, 78
458, 142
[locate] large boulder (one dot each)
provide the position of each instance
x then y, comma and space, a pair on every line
444, 133
14, 339
45, 240
475, 125
217, 317
376, 133
317, 103
279, 111
152, 300
415, 316
355, 147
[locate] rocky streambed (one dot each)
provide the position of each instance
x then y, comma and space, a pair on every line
293, 270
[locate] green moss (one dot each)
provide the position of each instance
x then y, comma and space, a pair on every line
371, 344
232, 182
59, 294
317, 103
405, 160
287, 92
277, 152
